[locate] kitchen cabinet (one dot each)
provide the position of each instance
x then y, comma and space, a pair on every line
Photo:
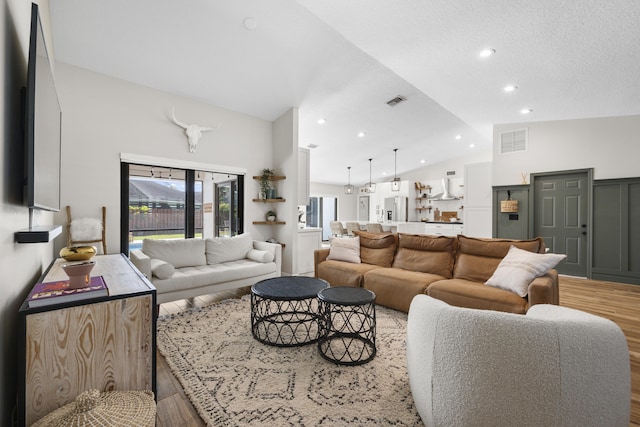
309, 239
477, 198
443, 229
433, 228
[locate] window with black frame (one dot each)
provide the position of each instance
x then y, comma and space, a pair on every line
176, 203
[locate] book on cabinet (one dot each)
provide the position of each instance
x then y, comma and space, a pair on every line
58, 292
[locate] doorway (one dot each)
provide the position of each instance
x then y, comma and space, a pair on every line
321, 211
561, 217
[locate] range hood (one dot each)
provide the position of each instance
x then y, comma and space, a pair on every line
445, 195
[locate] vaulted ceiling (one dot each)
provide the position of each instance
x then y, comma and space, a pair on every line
341, 61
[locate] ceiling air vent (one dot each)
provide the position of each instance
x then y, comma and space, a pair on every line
395, 101
511, 142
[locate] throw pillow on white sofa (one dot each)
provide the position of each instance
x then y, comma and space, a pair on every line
161, 269
260, 256
178, 252
223, 249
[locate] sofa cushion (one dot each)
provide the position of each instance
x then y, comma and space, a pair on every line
178, 252
471, 294
520, 267
477, 259
345, 249
260, 256
340, 273
426, 254
396, 287
205, 275
377, 248
223, 249
161, 269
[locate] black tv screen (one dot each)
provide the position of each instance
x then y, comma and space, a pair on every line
43, 124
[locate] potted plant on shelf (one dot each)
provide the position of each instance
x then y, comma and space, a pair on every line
265, 182
271, 216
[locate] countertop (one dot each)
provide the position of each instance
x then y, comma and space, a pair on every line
440, 222
309, 229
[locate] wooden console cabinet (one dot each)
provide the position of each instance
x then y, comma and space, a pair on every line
107, 343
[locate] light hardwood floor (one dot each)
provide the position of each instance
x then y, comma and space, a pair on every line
615, 301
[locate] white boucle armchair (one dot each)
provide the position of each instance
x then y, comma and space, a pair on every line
553, 366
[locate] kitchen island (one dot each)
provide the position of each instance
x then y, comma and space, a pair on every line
436, 228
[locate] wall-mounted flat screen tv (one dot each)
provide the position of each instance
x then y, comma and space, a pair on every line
43, 124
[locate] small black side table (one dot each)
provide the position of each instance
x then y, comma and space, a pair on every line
284, 310
348, 325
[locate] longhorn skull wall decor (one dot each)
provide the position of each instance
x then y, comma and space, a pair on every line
194, 132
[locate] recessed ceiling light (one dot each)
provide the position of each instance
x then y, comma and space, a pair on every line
322, 121
458, 136
472, 145
361, 134
487, 52
526, 111
423, 161
250, 23
510, 88
384, 174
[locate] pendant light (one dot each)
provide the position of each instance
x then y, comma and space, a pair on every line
370, 187
395, 184
348, 189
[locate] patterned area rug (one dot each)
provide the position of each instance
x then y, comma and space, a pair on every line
234, 380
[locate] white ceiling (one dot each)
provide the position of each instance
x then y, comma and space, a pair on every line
342, 60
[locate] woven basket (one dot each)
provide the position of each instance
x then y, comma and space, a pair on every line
107, 409
509, 206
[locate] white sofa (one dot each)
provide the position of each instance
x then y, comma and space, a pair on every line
186, 268
553, 366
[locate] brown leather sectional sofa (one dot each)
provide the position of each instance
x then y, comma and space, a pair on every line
397, 267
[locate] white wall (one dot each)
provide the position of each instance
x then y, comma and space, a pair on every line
438, 171
285, 161
347, 203
610, 145
104, 116
21, 264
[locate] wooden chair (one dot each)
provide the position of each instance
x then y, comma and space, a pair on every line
337, 229
97, 235
351, 227
374, 228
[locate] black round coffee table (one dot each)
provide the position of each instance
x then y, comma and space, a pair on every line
348, 325
284, 310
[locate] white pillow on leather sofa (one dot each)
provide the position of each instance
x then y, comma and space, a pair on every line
520, 267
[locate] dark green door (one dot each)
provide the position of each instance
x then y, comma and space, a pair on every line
560, 207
